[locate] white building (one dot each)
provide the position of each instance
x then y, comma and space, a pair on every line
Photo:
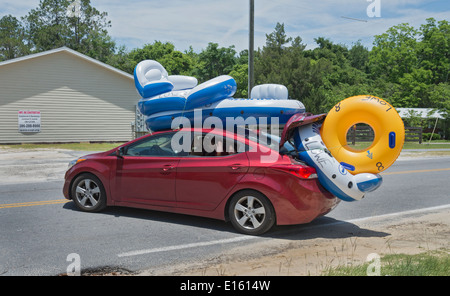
425, 113
64, 96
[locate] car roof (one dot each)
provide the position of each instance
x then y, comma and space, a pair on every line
237, 136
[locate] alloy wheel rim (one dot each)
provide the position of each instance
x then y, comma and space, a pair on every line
88, 193
249, 212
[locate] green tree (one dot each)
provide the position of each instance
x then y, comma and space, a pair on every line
409, 63
335, 53
439, 97
358, 56
394, 53
292, 66
47, 25
12, 38
215, 61
175, 62
434, 49
277, 40
240, 74
75, 24
339, 72
120, 59
407, 67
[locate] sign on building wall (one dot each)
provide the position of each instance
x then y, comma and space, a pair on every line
29, 121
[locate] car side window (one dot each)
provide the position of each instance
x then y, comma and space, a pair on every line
211, 145
158, 145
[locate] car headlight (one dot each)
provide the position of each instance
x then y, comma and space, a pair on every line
74, 162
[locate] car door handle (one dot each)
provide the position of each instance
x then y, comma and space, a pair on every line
236, 166
167, 168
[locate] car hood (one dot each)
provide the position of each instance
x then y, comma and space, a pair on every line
94, 155
297, 120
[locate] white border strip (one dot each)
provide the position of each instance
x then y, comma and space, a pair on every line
245, 238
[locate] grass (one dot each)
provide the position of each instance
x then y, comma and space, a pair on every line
436, 263
69, 146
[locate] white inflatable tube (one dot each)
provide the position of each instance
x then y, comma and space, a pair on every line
270, 91
332, 175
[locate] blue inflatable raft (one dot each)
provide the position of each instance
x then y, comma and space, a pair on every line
168, 100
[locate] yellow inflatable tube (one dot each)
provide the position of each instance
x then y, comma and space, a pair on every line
381, 117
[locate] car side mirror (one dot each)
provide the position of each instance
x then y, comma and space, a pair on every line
120, 152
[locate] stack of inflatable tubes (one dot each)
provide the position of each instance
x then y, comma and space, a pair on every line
332, 175
168, 101
321, 141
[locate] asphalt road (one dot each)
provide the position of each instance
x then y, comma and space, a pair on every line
40, 232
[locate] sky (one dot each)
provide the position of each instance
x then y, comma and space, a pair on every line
226, 22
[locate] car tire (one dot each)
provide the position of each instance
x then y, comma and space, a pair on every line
88, 193
251, 213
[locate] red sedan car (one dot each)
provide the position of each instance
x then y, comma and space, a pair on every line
200, 172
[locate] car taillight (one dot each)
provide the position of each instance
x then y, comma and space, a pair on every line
300, 171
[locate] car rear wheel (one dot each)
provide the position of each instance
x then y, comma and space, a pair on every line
88, 193
250, 212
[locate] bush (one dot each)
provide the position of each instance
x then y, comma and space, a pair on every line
426, 136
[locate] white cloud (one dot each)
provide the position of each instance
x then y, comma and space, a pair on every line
197, 22
324, 18
182, 22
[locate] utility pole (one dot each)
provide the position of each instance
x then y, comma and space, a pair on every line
251, 51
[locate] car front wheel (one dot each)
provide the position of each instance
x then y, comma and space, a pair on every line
251, 213
88, 193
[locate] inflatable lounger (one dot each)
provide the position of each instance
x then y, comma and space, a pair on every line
168, 101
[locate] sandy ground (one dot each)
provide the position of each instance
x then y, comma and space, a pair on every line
318, 248
314, 250
308, 252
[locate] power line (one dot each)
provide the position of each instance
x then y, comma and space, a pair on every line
354, 19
